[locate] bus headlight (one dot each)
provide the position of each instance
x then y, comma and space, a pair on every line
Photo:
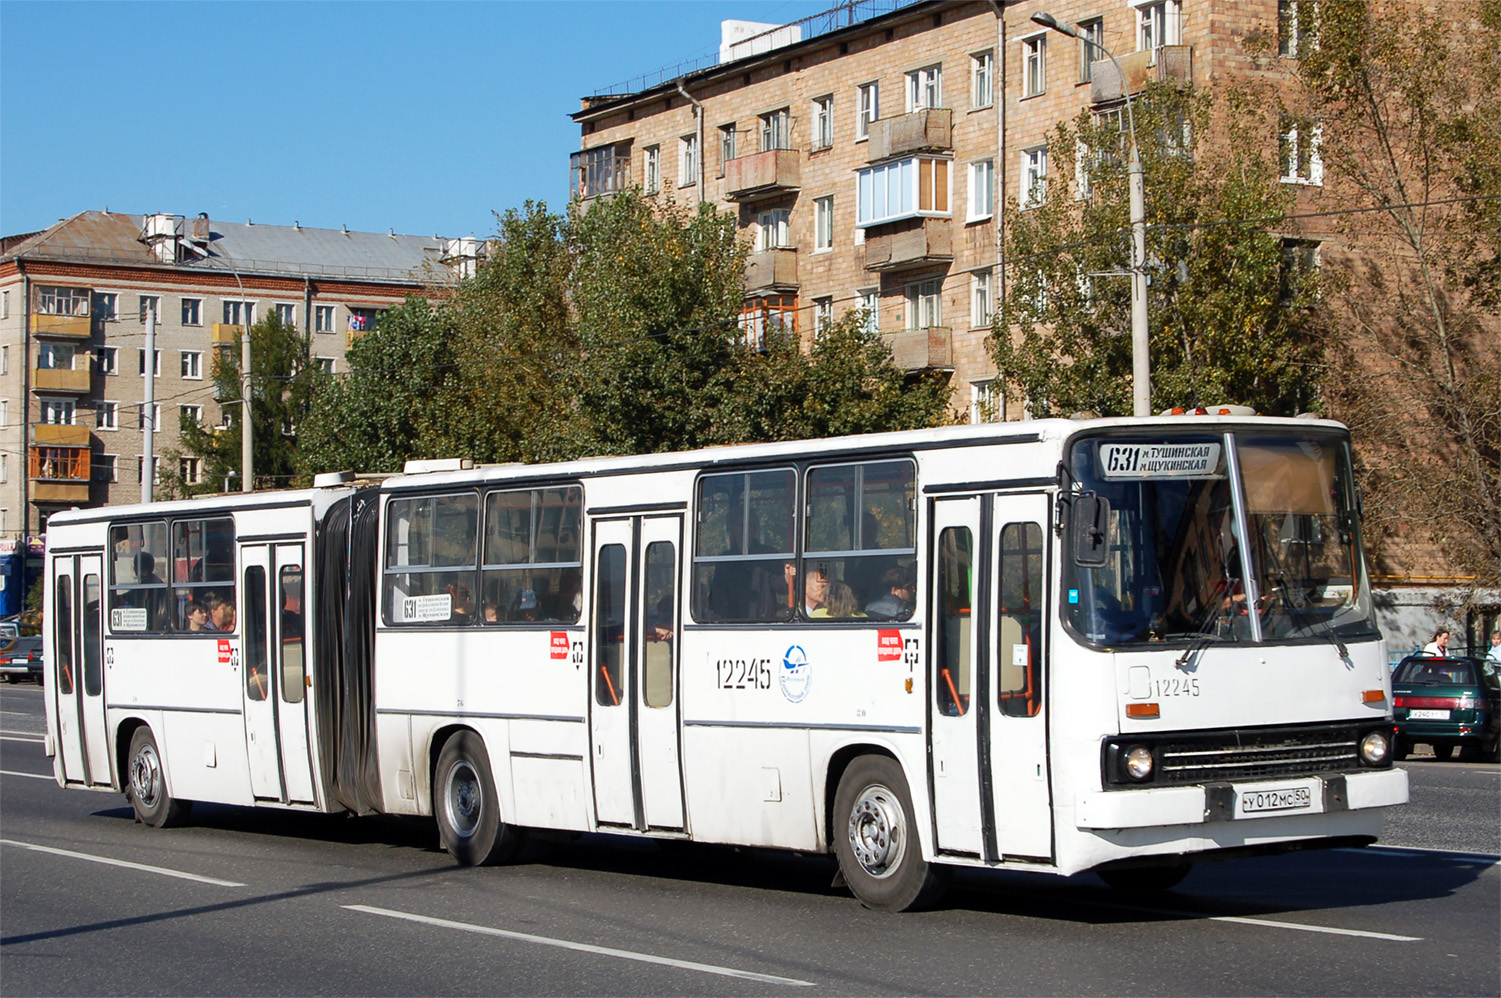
1139, 763
1374, 748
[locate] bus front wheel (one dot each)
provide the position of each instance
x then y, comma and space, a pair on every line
467, 807
876, 841
147, 788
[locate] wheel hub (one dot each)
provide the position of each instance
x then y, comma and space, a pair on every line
878, 831
146, 776
464, 799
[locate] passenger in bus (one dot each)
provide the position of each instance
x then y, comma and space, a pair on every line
569, 602
899, 594
462, 606
491, 613
527, 605
840, 602
197, 615
815, 592
221, 615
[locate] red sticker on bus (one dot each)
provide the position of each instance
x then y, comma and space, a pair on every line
888, 646
223, 651
559, 645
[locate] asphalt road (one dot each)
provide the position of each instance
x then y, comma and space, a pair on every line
260, 902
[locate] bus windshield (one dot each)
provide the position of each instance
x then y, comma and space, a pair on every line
1200, 549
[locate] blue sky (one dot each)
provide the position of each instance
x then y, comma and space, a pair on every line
422, 117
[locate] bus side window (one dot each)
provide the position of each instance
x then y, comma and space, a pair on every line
660, 610
256, 676
1019, 620
955, 595
93, 677
289, 600
609, 625
64, 634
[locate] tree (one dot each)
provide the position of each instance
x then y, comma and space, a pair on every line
283, 387
1228, 324
1409, 100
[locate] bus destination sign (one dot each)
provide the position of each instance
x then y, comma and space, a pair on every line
1164, 460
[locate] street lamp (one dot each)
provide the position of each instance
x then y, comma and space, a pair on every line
1141, 364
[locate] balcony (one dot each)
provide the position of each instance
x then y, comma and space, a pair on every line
912, 243
76, 327
771, 270
47, 381
54, 435
762, 175
1170, 63
226, 333
921, 349
60, 473
930, 129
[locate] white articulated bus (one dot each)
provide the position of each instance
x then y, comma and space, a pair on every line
1116, 645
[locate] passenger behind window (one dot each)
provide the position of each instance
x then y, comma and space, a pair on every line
196, 615
841, 602
898, 595
527, 606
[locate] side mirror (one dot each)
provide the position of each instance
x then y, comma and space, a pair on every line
1089, 530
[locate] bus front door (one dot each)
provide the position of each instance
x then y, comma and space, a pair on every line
272, 650
78, 668
633, 662
989, 751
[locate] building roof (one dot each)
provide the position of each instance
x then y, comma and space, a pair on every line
111, 238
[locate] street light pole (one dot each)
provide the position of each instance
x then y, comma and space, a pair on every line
1141, 364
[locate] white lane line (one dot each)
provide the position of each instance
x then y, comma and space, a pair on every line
120, 862
623, 954
19, 736
34, 776
1268, 923
17, 713
1419, 852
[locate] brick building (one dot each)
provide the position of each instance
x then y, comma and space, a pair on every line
73, 306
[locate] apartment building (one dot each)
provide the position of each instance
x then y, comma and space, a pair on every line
870, 161
74, 300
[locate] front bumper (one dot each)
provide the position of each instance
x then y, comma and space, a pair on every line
1204, 803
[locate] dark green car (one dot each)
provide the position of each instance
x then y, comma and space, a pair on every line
1447, 703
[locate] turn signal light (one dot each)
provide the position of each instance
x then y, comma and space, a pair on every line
1372, 696
1143, 710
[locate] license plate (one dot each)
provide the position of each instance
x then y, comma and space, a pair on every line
1427, 715
1274, 799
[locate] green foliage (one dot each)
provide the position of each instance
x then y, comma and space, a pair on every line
283, 388
1226, 323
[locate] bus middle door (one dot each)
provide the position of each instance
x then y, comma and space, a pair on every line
272, 651
78, 668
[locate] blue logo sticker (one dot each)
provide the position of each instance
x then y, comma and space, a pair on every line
797, 674
1073, 595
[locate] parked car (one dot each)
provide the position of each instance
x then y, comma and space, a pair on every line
20, 656
1447, 703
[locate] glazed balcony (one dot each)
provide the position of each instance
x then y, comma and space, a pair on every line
926, 130
771, 270
922, 349
59, 473
1169, 63
762, 175
910, 243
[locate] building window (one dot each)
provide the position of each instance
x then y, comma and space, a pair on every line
902, 189
1300, 269
601, 170
1034, 176
286, 313
651, 169
323, 318
239, 313
776, 130
868, 109
979, 298
151, 305
190, 469
107, 306
107, 416
4, 304
5, 358
104, 467
192, 364
767, 316
190, 414
924, 88
154, 417
62, 301
192, 311
1091, 47
156, 363
1034, 65
156, 469
823, 224
57, 412
4, 413
55, 356
687, 160
726, 145
1299, 145
1297, 27
823, 315
771, 229
870, 304
823, 122
4, 468
925, 305
987, 404
981, 190
325, 365
982, 79
1158, 24
363, 320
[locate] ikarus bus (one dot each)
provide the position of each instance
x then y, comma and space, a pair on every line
1118, 645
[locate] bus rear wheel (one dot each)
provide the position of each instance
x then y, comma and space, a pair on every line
147, 786
876, 841
467, 807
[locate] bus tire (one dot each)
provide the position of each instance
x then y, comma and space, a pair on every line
147, 784
467, 807
1146, 879
875, 838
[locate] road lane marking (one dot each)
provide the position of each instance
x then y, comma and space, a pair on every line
1419, 852
1265, 922
107, 861
34, 776
18, 736
623, 954
18, 713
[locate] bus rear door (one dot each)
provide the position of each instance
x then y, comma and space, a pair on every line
78, 668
